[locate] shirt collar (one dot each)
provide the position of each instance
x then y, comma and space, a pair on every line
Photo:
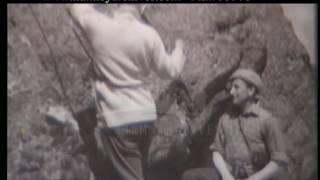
252, 110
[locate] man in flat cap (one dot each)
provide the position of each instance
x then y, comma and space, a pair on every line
248, 142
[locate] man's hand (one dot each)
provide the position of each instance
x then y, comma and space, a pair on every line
270, 171
221, 166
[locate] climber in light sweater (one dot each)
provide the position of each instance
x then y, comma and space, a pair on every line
125, 49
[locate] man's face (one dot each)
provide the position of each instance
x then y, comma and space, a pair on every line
240, 92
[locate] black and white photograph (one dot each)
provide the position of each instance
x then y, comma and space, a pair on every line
160, 91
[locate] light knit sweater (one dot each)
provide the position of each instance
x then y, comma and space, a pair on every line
125, 50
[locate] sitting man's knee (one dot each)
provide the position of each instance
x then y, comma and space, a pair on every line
201, 174
188, 175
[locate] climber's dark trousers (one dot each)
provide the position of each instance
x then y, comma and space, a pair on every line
201, 174
124, 150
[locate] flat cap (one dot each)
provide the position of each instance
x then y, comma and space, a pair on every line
249, 76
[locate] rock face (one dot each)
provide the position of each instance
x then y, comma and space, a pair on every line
218, 39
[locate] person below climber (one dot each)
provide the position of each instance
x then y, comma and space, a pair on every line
248, 142
125, 51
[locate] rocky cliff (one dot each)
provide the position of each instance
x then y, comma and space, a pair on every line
218, 39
